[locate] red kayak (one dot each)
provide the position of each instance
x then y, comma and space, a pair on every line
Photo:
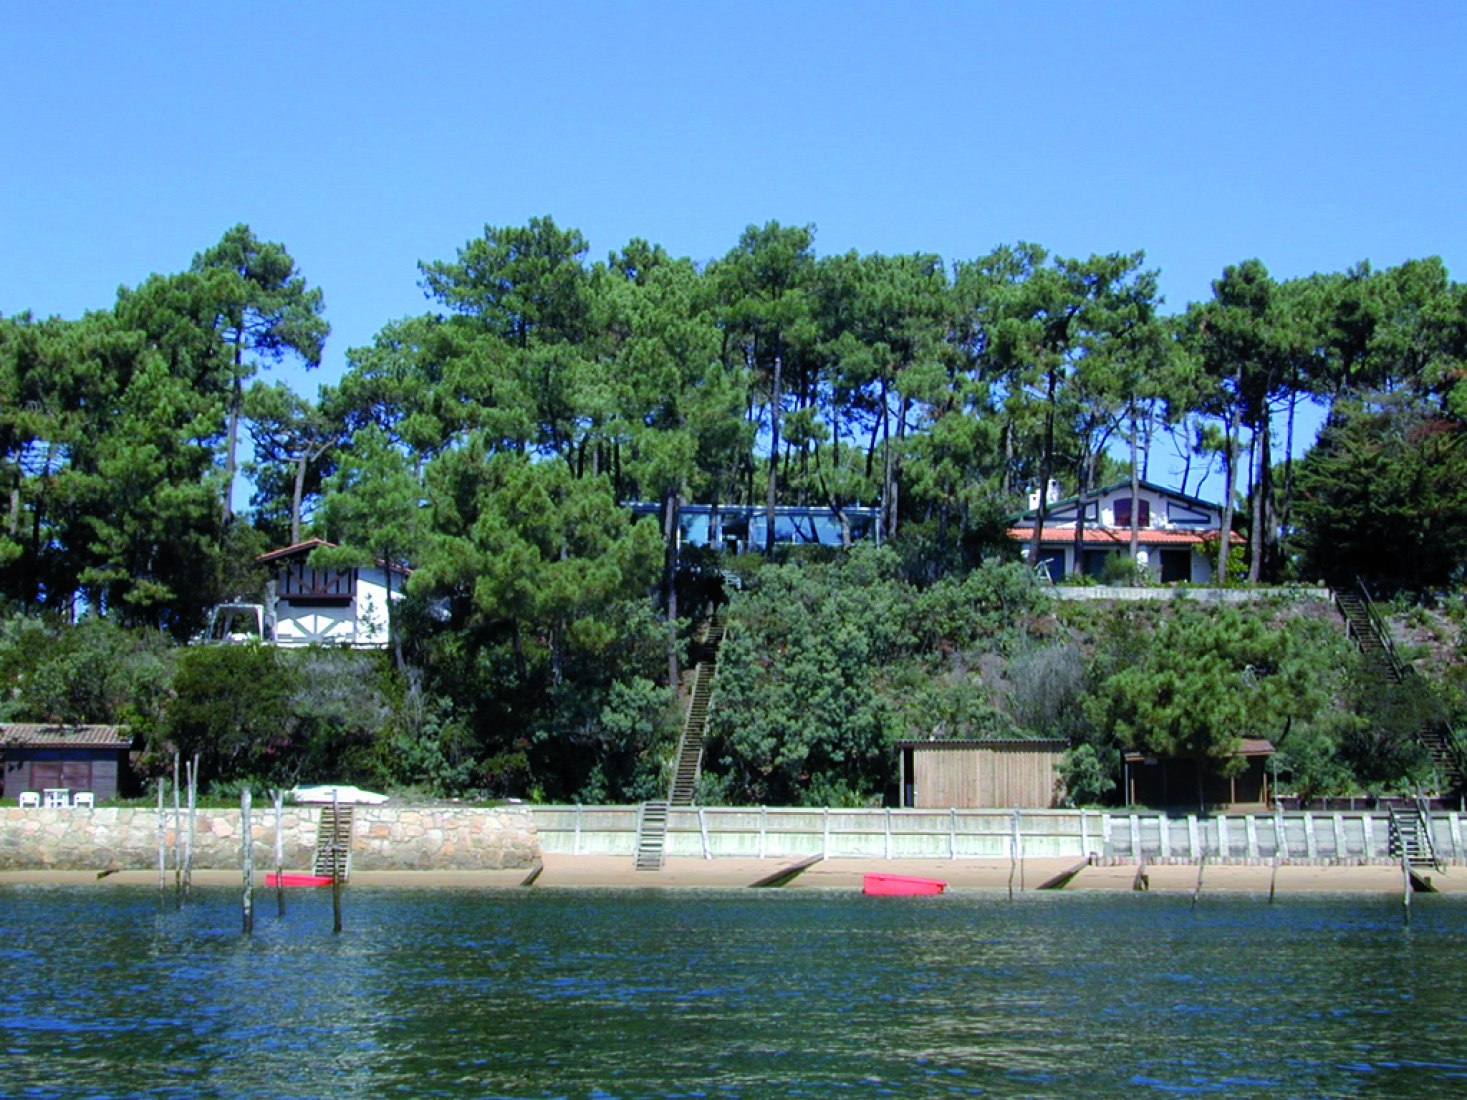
901, 884
297, 880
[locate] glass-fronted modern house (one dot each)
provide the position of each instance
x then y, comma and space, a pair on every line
739, 528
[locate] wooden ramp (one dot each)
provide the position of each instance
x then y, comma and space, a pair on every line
785, 875
1061, 880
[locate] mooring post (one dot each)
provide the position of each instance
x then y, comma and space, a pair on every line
279, 798
177, 837
1406, 885
335, 861
247, 839
1019, 845
162, 841
1013, 857
191, 768
1273, 880
1197, 890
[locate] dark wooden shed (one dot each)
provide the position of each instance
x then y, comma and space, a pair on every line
73, 758
1163, 781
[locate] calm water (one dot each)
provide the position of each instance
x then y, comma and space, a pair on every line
542, 993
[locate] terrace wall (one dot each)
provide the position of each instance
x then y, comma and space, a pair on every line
383, 838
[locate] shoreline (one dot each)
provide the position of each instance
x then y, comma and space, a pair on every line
617, 872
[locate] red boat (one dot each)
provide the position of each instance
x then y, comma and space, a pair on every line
901, 884
297, 880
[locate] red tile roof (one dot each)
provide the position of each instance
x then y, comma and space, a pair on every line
47, 736
1120, 536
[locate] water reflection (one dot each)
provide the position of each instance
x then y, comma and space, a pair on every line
726, 994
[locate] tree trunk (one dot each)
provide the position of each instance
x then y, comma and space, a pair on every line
774, 400
1230, 462
236, 404
297, 494
393, 635
1046, 471
1286, 506
1135, 492
1262, 490
670, 528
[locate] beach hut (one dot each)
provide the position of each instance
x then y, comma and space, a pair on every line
1006, 774
64, 760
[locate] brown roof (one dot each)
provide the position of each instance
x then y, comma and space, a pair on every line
985, 743
301, 549
48, 736
1249, 746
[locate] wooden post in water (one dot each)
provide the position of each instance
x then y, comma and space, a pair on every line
191, 768
335, 861
248, 840
1273, 879
1013, 854
1406, 882
162, 841
1019, 847
177, 837
1197, 890
279, 854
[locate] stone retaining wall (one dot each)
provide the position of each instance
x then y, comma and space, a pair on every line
383, 838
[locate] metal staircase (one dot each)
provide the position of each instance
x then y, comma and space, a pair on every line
333, 842
1369, 631
1410, 836
651, 836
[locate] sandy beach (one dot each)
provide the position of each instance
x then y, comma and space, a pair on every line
562, 872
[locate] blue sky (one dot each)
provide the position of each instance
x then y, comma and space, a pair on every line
367, 137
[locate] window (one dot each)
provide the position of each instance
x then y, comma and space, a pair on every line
300, 583
1123, 512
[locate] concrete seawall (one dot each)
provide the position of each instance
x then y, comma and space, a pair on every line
384, 838
1121, 836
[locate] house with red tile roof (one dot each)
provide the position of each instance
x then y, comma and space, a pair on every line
1176, 535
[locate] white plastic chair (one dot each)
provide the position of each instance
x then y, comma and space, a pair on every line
57, 797
84, 798
30, 800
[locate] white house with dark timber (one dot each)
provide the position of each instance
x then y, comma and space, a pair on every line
308, 605
1176, 535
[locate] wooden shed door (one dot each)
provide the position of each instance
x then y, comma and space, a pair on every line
73, 774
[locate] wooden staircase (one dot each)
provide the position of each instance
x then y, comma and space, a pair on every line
684, 786
652, 821
1365, 626
690, 747
651, 836
1410, 836
333, 842
1367, 632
